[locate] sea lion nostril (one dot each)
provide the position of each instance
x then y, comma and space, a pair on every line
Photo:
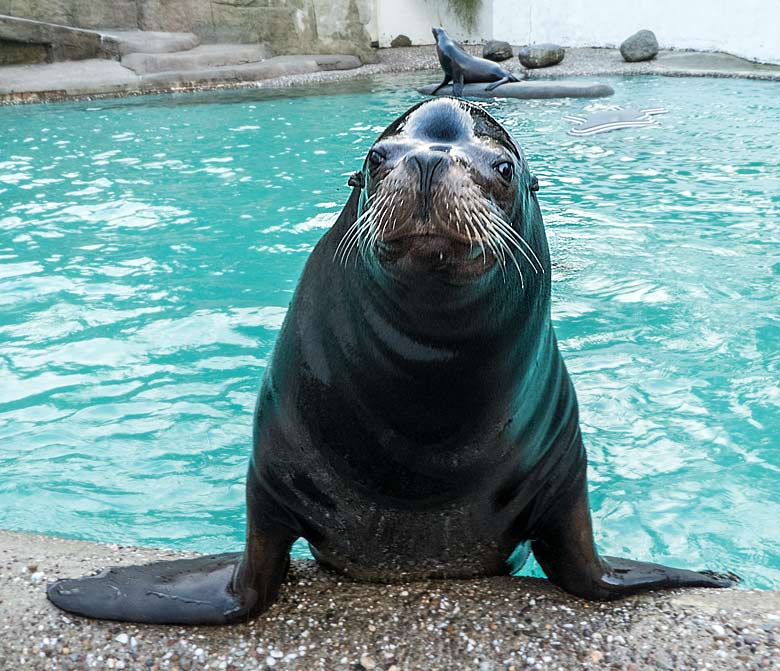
427, 163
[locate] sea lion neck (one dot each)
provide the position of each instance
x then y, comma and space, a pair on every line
427, 307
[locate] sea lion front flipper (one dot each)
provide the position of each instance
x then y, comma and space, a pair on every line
447, 80
565, 550
213, 589
458, 81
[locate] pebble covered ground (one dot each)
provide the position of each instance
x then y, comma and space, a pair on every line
323, 621
577, 62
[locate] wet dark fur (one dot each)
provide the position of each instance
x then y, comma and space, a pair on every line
416, 418
461, 68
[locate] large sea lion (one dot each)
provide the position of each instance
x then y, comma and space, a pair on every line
461, 68
416, 419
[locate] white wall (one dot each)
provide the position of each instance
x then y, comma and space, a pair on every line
749, 28
415, 18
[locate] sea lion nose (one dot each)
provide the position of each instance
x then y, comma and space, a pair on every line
429, 163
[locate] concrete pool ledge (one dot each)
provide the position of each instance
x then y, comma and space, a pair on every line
100, 78
325, 622
92, 79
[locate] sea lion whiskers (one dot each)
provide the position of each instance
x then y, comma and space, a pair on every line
490, 237
506, 240
478, 209
501, 221
498, 216
348, 237
506, 230
382, 217
352, 237
502, 242
489, 227
345, 243
487, 236
495, 244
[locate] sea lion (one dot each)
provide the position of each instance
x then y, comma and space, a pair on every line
461, 68
416, 419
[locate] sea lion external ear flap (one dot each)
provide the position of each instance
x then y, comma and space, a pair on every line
356, 179
534, 184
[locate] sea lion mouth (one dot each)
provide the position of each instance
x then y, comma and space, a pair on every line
436, 252
430, 214
431, 234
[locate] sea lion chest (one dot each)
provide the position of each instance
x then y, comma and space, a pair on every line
398, 455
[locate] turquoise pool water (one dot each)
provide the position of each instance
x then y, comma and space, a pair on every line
149, 248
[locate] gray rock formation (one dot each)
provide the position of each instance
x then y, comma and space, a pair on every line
90, 14
401, 41
200, 58
497, 50
287, 26
14, 52
147, 42
60, 43
641, 46
541, 55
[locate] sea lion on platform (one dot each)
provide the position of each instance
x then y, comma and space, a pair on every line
461, 68
416, 419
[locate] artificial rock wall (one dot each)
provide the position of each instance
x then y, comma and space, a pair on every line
287, 26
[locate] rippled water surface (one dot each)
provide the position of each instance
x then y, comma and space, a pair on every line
149, 249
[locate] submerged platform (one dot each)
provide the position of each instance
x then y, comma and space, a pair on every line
323, 621
527, 90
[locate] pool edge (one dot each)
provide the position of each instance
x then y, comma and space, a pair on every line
503, 622
579, 62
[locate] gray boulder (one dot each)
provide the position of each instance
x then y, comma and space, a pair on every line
401, 41
540, 55
497, 50
641, 46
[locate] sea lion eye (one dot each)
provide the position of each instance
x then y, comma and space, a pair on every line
375, 158
506, 170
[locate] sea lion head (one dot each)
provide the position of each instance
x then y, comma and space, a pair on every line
445, 191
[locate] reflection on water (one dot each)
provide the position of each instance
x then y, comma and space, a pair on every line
148, 253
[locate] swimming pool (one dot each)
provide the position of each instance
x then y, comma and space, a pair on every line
149, 248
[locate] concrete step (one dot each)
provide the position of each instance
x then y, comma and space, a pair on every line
204, 57
96, 78
278, 66
68, 43
148, 42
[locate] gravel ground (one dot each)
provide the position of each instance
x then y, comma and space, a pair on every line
325, 622
578, 62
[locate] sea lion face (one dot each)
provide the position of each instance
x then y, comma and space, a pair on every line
440, 193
